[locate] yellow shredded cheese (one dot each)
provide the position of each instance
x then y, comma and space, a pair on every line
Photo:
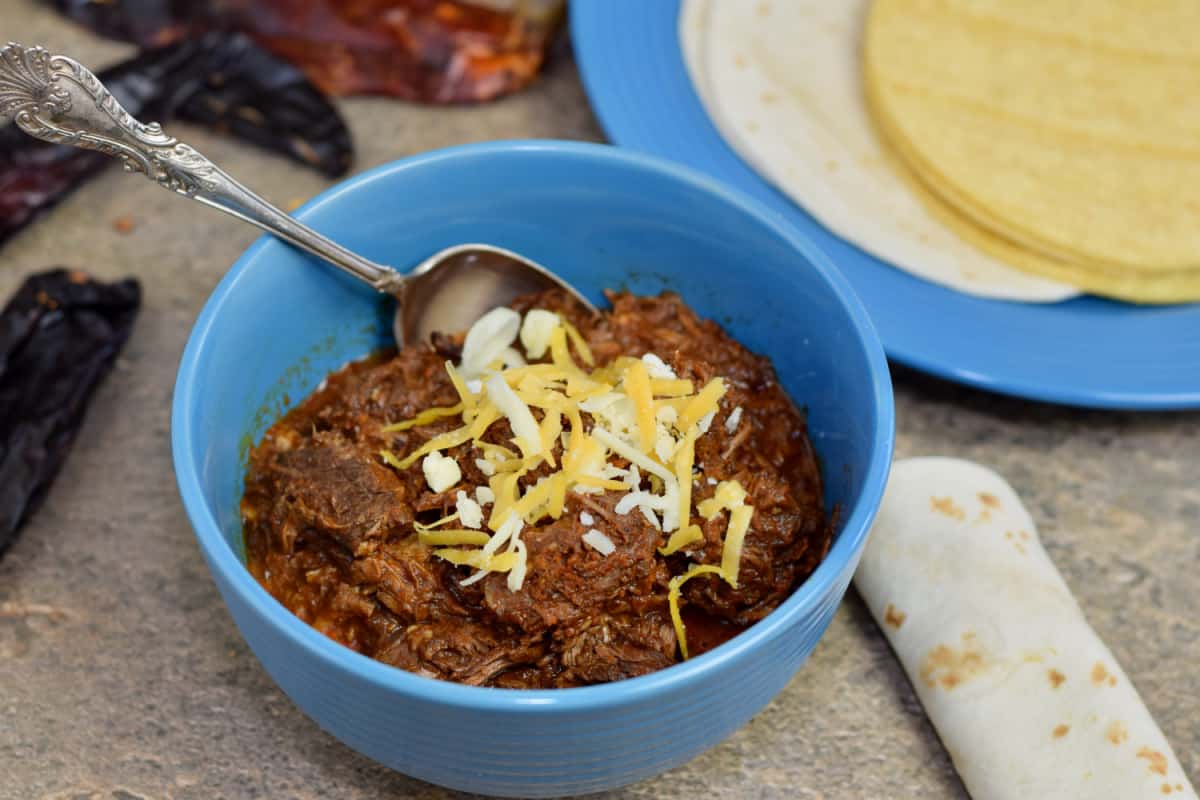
702, 404
465, 395
504, 488
424, 418
453, 536
500, 562
577, 340
419, 527
673, 600
681, 539
668, 387
684, 458
558, 350
637, 387
729, 495
735, 534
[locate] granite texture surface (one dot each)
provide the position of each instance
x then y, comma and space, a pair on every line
123, 677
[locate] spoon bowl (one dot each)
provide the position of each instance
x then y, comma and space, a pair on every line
57, 99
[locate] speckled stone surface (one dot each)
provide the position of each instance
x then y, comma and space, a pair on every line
123, 677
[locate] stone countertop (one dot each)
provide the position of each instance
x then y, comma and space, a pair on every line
122, 676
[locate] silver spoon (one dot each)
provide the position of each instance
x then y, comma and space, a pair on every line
57, 99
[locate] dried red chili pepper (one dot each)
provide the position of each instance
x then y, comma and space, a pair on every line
59, 336
222, 81
433, 51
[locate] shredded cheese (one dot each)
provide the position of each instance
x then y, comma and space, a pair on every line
524, 426
441, 472
488, 338
536, 330
657, 367
468, 510
702, 404
638, 440
599, 542
637, 387
673, 588
424, 418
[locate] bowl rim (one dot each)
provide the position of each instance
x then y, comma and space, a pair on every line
681, 676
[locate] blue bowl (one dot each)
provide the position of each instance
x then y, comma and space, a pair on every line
600, 217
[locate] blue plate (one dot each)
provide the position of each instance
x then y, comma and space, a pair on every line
1085, 352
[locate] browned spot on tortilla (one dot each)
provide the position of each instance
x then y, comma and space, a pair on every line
1024, 536
1060, 731
1020, 548
984, 515
764, 9
988, 499
949, 667
739, 60
831, 165
1166, 788
1157, 761
1056, 678
894, 617
1116, 733
1112, 680
1099, 674
947, 506
768, 98
1008, 534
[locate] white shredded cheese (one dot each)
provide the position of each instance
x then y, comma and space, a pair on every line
539, 324
487, 339
486, 467
511, 358
658, 368
631, 454
706, 421
633, 500
599, 542
484, 495
524, 426
586, 519
649, 515
469, 512
516, 576
474, 386
441, 472
735, 417
667, 415
712, 481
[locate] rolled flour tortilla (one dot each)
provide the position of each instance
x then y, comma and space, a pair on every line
1028, 700
780, 81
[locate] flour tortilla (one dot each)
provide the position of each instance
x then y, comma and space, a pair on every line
1068, 129
1029, 702
780, 80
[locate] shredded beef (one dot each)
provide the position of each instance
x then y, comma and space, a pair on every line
329, 529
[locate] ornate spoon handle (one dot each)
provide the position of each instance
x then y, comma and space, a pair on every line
57, 99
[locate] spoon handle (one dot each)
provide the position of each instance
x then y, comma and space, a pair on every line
57, 99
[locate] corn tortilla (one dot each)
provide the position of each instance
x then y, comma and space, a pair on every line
1066, 131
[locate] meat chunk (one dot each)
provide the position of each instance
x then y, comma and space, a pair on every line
327, 486
409, 580
566, 580
457, 649
614, 648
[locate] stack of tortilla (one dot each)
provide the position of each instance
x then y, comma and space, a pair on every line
1015, 149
